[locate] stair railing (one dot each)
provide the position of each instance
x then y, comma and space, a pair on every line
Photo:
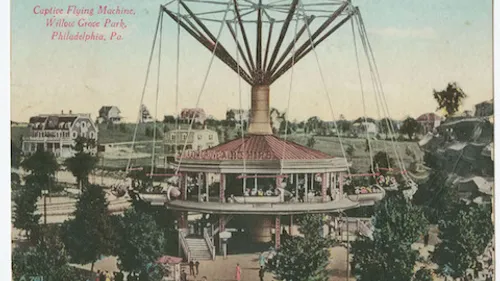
216, 226
184, 245
209, 242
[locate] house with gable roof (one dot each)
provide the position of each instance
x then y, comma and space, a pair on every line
57, 133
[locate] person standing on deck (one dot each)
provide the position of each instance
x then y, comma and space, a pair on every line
261, 274
191, 267
197, 266
262, 260
238, 272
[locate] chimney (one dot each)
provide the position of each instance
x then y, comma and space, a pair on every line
260, 122
70, 111
62, 112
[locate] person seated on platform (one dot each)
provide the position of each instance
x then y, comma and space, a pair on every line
269, 192
301, 195
247, 192
276, 192
254, 191
231, 199
260, 192
310, 196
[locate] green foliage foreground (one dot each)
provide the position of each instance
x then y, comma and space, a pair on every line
389, 256
465, 232
304, 258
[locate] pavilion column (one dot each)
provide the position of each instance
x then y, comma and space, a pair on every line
297, 187
222, 228
306, 188
341, 184
323, 186
182, 223
334, 187
291, 225
244, 183
199, 184
222, 188
206, 187
183, 186
277, 231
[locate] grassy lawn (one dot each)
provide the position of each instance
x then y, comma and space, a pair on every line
329, 145
361, 158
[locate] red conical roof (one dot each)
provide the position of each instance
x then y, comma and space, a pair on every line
257, 147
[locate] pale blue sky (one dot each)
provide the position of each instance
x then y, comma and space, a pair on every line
419, 45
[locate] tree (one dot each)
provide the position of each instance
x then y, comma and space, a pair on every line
344, 126
436, 197
361, 120
169, 119
42, 167
350, 151
47, 258
410, 127
15, 155
450, 99
230, 116
24, 215
311, 142
389, 256
89, 234
83, 163
141, 240
145, 115
382, 160
386, 126
464, 232
312, 124
304, 258
423, 274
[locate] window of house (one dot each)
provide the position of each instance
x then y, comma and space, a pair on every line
84, 134
210, 137
83, 124
184, 136
200, 136
74, 135
91, 135
172, 137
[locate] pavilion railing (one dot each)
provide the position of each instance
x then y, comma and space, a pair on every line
209, 242
184, 245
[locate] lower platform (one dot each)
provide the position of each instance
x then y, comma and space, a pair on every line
248, 208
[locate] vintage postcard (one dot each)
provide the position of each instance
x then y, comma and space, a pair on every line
245, 140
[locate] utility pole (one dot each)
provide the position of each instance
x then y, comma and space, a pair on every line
347, 248
44, 193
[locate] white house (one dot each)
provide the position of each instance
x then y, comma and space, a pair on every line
364, 128
199, 115
57, 132
196, 140
109, 114
238, 114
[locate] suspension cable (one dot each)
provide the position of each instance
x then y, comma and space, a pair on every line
143, 92
378, 90
325, 89
203, 84
289, 98
156, 103
374, 67
240, 110
177, 74
362, 96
